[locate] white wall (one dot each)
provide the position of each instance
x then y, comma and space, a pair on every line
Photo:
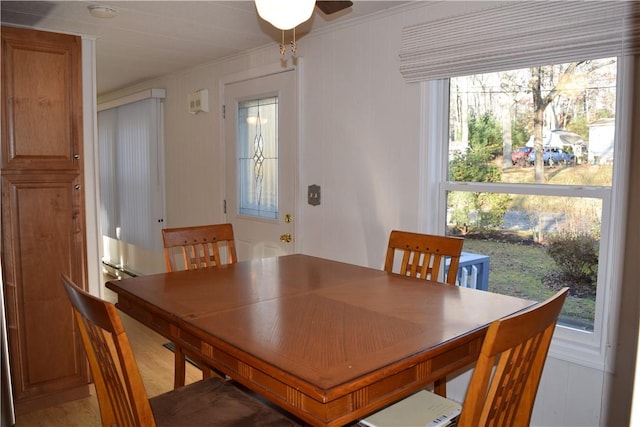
359, 140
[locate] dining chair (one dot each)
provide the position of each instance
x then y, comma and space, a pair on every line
122, 398
200, 246
505, 380
423, 255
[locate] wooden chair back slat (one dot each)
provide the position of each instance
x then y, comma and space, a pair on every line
199, 245
520, 343
423, 255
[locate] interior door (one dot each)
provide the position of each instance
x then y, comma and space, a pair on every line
260, 148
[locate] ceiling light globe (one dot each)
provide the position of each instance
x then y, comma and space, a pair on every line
285, 14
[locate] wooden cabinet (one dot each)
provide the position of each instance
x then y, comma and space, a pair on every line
43, 220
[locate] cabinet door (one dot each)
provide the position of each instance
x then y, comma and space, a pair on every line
42, 99
43, 223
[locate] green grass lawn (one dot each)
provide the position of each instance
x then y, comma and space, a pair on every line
517, 270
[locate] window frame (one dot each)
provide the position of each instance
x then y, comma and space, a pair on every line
591, 349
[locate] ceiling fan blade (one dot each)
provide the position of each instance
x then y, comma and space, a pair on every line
329, 7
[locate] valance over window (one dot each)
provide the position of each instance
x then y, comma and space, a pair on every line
519, 34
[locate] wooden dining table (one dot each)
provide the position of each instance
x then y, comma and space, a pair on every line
327, 341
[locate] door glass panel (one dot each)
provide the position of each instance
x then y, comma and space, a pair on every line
257, 148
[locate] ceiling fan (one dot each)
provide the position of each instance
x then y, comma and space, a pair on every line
329, 7
287, 14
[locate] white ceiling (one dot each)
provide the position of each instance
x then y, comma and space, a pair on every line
147, 39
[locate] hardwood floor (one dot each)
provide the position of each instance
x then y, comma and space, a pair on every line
156, 367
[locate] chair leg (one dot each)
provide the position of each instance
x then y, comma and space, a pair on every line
440, 386
179, 368
207, 373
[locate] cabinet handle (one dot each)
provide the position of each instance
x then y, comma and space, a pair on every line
76, 156
77, 186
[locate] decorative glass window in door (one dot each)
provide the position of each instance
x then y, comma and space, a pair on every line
257, 150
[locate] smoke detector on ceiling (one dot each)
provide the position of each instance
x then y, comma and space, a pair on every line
100, 11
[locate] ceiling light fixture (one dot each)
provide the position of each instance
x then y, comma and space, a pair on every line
100, 11
285, 15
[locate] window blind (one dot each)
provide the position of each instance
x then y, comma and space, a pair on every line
107, 130
519, 34
129, 140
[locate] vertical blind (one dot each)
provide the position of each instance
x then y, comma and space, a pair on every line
519, 34
129, 140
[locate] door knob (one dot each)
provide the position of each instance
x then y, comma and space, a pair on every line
286, 238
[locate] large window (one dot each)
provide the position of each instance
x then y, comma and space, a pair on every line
534, 148
525, 141
542, 226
